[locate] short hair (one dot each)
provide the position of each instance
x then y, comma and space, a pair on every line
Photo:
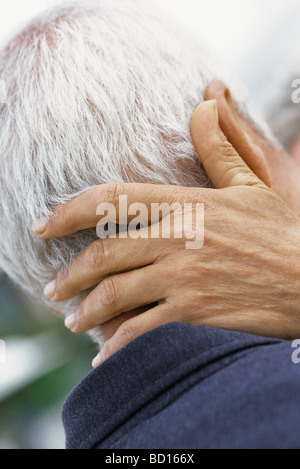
96, 93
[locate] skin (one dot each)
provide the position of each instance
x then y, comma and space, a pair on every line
295, 151
247, 275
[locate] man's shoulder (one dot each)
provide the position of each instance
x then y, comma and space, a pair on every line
167, 374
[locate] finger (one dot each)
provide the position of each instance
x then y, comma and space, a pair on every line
117, 294
82, 212
109, 328
133, 328
238, 131
222, 163
101, 258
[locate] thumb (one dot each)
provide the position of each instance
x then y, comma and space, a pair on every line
223, 164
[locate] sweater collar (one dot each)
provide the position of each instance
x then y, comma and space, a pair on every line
141, 371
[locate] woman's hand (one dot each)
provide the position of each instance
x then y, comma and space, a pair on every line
246, 276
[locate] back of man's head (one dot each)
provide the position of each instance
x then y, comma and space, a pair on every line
95, 94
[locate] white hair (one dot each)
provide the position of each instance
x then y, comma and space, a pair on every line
96, 93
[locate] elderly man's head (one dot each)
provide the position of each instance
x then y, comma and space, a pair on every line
95, 94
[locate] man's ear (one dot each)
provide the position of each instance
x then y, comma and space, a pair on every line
246, 141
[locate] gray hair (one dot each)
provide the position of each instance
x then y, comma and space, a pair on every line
96, 93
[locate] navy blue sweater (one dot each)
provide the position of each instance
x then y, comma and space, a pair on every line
183, 386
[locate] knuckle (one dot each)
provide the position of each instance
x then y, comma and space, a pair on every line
126, 332
62, 214
237, 175
202, 195
108, 292
112, 192
215, 146
96, 254
61, 281
106, 351
81, 313
227, 152
189, 195
183, 195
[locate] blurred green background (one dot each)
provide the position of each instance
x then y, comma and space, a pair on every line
44, 361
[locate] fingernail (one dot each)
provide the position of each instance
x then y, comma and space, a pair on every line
39, 226
49, 290
70, 321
